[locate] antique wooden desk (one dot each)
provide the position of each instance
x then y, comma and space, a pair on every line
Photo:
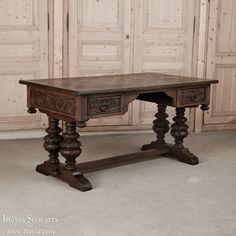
76, 100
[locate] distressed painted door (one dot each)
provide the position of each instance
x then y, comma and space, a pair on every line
221, 65
163, 43
23, 55
99, 43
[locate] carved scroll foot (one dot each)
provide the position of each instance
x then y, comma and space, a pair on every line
44, 169
47, 169
76, 180
52, 145
160, 127
184, 155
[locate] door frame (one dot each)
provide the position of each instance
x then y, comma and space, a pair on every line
202, 54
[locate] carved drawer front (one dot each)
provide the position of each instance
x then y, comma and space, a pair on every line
193, 96
53, 102
103, 105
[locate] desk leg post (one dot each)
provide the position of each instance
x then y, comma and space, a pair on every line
52, 145
160, 127
70, 149
179, 130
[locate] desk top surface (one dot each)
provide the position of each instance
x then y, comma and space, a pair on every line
139, 82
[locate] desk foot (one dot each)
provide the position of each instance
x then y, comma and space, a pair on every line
47, 169
76, 180
184, 155
149, 146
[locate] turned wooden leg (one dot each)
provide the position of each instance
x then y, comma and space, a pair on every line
70, 149
160, 127
70, 146
52, 145
180, 131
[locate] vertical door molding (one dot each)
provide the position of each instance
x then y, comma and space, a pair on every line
221, 65
202, 53
58, 39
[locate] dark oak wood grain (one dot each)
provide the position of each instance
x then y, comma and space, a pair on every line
119, 83
76, 100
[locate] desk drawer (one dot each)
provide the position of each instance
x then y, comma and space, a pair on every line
193, 96
97, 106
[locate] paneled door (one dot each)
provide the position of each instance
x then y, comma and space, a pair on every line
23, 55
221, 65
163, 42
100, 43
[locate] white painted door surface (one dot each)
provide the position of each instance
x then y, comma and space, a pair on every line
163, 43
99, 43
23, 55
221, 65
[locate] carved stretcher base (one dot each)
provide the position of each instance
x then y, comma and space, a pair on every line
77, 180
182, 154
74, 178
70, 148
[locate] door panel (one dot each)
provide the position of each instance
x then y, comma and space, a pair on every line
23, 55
163, 42
221, 65
99, 43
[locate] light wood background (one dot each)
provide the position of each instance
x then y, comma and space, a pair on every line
41, 39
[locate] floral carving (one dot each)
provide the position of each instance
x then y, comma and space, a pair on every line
97, 106
192, 96
53, 102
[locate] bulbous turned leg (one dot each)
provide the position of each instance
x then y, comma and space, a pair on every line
70, 146
52, 145
70, 149
160, 127
180, 131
